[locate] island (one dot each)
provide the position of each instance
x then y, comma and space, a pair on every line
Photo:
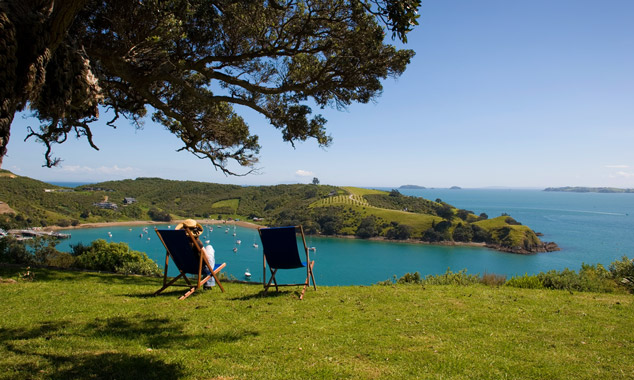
338, 211
581, 189
412, 187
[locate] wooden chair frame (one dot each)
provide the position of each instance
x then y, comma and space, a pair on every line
200, 280
309, 268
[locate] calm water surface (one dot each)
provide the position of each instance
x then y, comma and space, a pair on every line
589, 227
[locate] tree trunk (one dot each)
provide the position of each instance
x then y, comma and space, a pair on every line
30, 31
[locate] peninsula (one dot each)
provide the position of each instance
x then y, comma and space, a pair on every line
580, 189
321, 209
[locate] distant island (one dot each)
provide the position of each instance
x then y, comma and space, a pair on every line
412, 187
455, 188
580, 189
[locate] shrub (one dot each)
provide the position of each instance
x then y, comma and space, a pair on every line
13, 251
410, 278
493, 279
114, 257
60, 260
591, 278
525, 282
463, 233
450, 278
431, 235
623, 273
399, 232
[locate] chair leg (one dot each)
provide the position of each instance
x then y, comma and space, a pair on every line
312, 274
165, 286
271, 280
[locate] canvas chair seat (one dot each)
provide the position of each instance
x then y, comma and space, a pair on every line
280, 251
189, 257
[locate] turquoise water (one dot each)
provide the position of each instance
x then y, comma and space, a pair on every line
589, 227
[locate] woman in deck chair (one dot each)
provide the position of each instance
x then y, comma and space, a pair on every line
196, 230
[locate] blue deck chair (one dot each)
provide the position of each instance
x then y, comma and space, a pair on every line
280, 252
187, 253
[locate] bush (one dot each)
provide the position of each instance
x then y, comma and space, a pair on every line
60, 260
493, 279
431, 235
623, 273
114, 257
591, 278
463, 233
525, 282
13, 251
410, 278
399, 232
159, 215
450, 278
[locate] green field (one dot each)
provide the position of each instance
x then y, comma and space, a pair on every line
361, 191
79, 325
227, 203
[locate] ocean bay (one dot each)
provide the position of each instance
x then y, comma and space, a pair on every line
589, 227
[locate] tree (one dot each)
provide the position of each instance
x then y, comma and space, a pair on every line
189, 62
399, 232
367, 227
315, 181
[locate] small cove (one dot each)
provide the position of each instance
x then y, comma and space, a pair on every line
589, 227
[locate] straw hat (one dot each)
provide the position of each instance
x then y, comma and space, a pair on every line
192, 225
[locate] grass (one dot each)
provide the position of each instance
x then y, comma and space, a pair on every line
101, 326
341, 200
361, 191
227, 203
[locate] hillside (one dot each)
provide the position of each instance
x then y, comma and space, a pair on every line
321, 209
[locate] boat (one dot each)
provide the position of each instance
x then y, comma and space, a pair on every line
247, 274
255, 245
235, 250
238, 241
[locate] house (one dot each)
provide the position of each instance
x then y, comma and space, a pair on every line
107, 205
128, 201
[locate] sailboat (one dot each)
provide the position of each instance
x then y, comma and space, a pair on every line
247, 274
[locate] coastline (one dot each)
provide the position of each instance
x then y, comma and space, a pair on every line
543, 248
151, 222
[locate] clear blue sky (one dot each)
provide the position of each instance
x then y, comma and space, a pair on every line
501, 93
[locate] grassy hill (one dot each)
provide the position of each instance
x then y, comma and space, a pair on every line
79, 325
321, 209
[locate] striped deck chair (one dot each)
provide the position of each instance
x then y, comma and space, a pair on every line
187, 253
280, 252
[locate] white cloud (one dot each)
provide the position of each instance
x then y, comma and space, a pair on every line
617, 166
304, 173
624, 174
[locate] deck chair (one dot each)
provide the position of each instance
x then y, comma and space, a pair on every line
280, 252
187, 253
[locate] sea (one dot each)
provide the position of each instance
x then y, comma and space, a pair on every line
591, 228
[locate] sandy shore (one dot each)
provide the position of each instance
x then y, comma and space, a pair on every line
149, 222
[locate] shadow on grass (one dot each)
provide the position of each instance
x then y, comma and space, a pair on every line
108, 365
46, 330
34, 360
264, 294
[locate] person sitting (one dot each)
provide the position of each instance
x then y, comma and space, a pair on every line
197, 230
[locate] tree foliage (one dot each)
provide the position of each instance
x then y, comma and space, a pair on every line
189, 62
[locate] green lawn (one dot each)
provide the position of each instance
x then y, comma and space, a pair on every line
78, 325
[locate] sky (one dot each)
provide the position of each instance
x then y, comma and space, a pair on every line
526, 94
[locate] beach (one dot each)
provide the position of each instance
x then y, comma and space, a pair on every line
150, 222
